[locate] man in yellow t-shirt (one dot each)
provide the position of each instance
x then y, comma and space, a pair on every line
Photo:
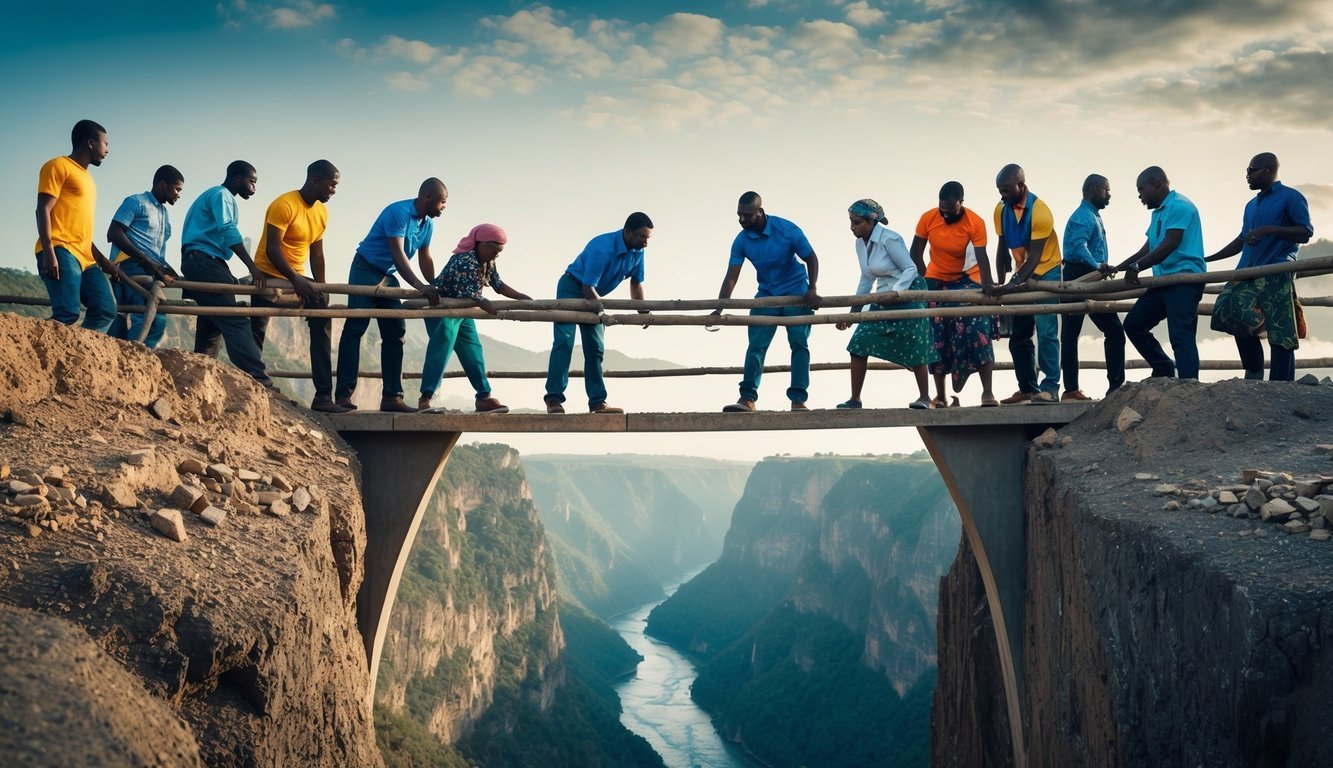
69, 262
293, 238
1025, 231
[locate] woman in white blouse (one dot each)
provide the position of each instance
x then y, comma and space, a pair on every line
886, 265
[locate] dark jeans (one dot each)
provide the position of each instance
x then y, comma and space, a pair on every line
1179, 306
321, 346
211, 331
392, 330
1251, 350
1113, 344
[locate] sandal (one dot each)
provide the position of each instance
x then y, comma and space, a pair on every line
939, 402
921, 404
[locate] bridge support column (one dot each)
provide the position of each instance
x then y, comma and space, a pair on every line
398, 472
983, 467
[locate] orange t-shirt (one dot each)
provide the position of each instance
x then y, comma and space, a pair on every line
301, 226
950, 254
72, 216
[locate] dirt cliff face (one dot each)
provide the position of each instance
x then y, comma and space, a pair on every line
1157, 634
244, 631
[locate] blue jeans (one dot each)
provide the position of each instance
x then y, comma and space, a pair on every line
210, 332
76, 286
562, 349
129, 326
457, 335
1179, 306
392, 330
1047, 352
798, 337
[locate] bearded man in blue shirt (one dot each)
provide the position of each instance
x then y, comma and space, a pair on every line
1276, 223
784, 265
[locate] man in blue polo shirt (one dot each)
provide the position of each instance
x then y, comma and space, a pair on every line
606, 261
784, 265
1085, 252
138, 234
209, 238
1174, 246
1276, 222
402, 230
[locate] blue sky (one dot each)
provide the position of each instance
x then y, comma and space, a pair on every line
557, 119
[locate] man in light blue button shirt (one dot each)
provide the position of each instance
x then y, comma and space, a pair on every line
1085, 252
606, 261
784, 265
138, 234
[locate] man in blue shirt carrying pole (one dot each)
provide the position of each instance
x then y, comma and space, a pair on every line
784, 265
1174, 246
1276, 223
138, 234
606, 261
402, 230
1085, 252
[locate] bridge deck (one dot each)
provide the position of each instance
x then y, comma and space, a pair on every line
711, 421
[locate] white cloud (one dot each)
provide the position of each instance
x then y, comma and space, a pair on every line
688, 35
304, 13
406, 81
416, 51
862, 15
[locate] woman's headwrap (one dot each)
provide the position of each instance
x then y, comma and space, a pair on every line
868, 209
482, 233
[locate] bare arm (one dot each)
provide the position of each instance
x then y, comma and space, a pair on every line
405, 270
918, 254
728, 284
1024, 272
983, 262
1230, 249
47, 264
811, 300
117, 233
305, 292
1146, 258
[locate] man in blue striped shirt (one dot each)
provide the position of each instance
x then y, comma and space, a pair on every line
1085, 252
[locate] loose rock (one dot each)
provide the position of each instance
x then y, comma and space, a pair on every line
213, 516
169, 523
160, 408
1128, 419
1276, 511
191, 466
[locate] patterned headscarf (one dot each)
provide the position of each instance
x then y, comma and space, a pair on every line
482, 233
868, 209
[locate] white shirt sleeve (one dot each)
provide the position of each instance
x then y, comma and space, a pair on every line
889, 261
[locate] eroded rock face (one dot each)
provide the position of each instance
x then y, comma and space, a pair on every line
64, 702
245, 632
1156, 636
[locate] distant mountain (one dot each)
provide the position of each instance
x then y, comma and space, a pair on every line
622, 526
816, 626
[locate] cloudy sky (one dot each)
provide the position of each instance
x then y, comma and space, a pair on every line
556, 120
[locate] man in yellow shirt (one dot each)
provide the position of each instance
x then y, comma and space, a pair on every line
69, 262
294, 237
1025, 230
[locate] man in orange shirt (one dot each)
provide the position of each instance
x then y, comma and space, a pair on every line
69, 262
957, 240
294, 237
1025, 229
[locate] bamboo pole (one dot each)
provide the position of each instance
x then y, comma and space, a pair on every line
1207, 365
150, 311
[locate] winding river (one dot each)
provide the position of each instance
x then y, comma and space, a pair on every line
657, 704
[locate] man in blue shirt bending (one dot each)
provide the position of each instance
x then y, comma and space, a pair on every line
138, 234
1276, 223
210, 237
1174, 246
606, 261
784, 265
401, 231
1085, 252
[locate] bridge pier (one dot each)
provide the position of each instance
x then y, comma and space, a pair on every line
398, 472
982, 466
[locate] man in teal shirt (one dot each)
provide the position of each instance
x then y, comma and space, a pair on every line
1174, 246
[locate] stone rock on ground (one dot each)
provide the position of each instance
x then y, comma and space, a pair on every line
1160, 638
64, 702
247, 631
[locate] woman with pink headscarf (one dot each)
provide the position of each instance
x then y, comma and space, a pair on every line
471, 268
